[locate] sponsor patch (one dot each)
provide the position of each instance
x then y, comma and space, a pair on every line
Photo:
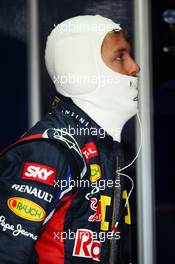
89, 151
95, 172
26, 209
40, 194
17, 230
39, 172
96, 207
127, 218
100, 211
85, 246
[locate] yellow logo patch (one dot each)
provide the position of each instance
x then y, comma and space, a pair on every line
95, 172
26, 209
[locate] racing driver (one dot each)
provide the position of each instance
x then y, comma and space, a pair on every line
63, 198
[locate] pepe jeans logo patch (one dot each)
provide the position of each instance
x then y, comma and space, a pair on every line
26, 209
39, 172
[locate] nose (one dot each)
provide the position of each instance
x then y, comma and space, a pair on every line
133, 68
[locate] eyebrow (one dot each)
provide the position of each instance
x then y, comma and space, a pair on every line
122, 50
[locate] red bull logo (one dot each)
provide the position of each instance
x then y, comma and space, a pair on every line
100, 209
96, 207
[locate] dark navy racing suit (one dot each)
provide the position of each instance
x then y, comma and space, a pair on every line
61, 200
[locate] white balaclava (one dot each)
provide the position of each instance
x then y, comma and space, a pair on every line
74, 62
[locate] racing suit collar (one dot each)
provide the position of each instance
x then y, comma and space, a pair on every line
67, 106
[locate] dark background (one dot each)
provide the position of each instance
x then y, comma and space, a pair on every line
164, 130
14, 89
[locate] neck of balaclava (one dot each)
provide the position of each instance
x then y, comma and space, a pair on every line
110, 120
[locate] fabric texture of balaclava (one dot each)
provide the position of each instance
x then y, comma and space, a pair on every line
74, 62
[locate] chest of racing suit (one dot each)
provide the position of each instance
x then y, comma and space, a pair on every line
62, 200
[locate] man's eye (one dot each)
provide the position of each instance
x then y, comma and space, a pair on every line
120, 57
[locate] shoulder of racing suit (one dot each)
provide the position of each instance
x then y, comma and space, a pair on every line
34, 177
30, 188
32, 173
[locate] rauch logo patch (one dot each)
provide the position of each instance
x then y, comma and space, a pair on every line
39, 172
26, 209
